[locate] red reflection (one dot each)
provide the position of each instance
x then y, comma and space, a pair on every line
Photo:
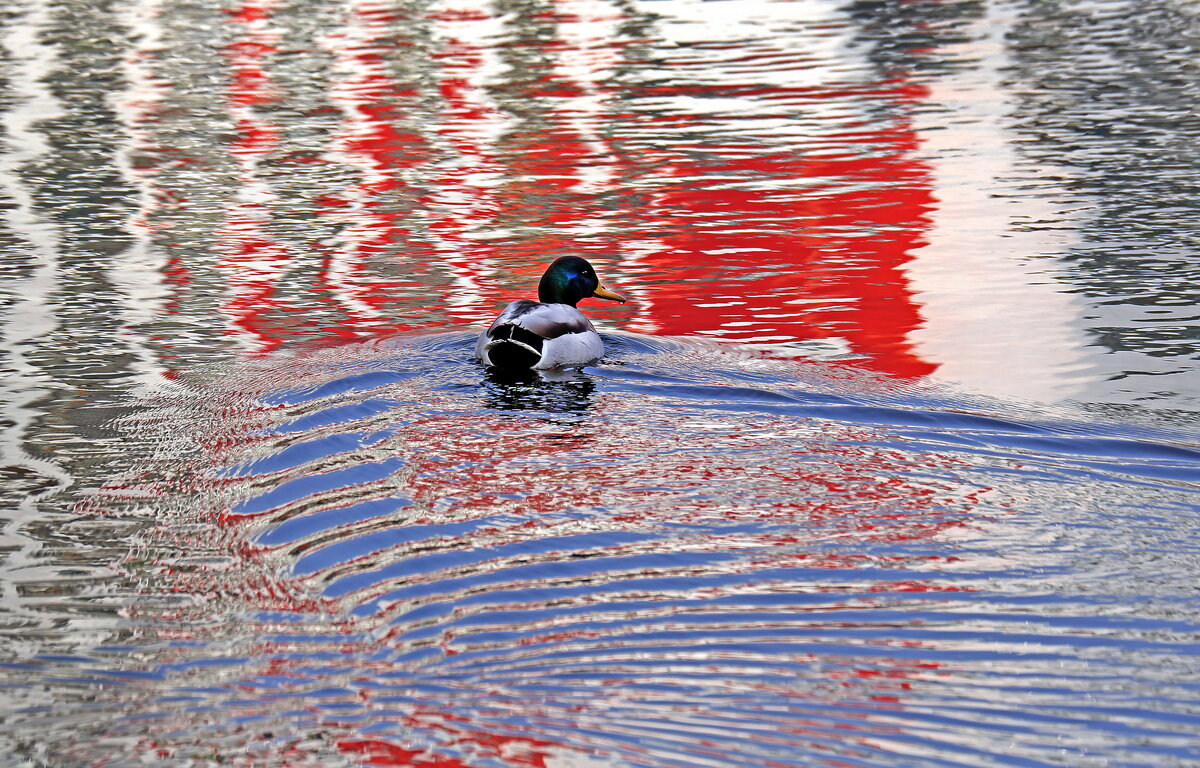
779, 282
252, 261
746, 258
375, 752
760, 264
513, 751
539, 147
373, 139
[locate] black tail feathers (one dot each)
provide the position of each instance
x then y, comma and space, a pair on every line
512, 347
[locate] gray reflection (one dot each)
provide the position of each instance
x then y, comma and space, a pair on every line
65, 228
1107, 93
906, 38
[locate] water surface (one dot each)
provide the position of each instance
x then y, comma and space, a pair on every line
892, 459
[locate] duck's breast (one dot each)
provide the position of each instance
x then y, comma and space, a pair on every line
571, 349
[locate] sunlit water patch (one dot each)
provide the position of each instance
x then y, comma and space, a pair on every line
684, 556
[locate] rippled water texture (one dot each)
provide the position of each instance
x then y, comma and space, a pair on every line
892, 460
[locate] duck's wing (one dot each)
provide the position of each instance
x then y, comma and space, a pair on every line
546, 320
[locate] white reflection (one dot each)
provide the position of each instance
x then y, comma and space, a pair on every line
32, 315
138, 272
997, 318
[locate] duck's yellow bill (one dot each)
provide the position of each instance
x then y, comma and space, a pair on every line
603, 293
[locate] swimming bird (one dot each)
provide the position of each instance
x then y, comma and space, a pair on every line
550, 332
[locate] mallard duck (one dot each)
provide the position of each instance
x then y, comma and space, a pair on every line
550, 332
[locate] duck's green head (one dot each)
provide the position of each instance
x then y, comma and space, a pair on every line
569, 279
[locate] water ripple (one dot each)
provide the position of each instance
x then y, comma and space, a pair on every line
250, 518
683, 556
